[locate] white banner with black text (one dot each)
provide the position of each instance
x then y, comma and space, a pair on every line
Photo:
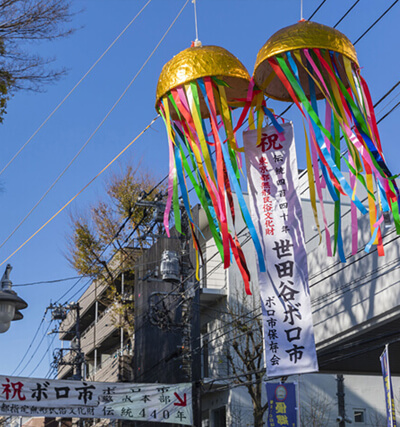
32, 397
277, 215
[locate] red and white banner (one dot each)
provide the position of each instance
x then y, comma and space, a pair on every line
33, 397
277, 216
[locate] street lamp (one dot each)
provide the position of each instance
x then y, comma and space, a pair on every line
10, 302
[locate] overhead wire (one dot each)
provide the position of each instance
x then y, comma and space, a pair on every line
120, 269
81, 277
387, 94
97, 129
74, 88
81, 191
34, 353
316, 10
45, 282
42, 358
135, 228
375, 22
30, 345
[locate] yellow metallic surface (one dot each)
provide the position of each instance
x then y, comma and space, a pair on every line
304, 34
203, 61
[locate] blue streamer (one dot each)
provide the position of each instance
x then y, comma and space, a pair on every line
179, 170
275, 123
371, 242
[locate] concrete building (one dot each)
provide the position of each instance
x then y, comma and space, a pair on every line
107, 348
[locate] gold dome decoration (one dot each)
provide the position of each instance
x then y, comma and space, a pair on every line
303, 35
205, 61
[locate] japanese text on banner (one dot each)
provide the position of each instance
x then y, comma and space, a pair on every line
30, 397
277, 215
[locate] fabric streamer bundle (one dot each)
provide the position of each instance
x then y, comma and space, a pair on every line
307, 62
196, 93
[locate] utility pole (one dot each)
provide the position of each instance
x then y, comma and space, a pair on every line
186, 315
79, 359
340, 396
342, 419
59, 312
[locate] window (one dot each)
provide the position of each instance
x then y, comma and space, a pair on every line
219, 417
359, 416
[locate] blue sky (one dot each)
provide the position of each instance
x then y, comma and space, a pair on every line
241, 26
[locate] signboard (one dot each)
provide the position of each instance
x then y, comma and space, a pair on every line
387, 384
31, 397
282, 409
277, 216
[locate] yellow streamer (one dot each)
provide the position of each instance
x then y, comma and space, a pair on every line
311, 184
371, 205
226, 115
199, 131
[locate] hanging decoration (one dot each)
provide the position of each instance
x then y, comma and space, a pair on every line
307, 62
196, 93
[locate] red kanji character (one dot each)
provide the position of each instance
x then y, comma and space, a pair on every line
16, 389
269, 231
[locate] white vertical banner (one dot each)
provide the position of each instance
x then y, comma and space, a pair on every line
277, 215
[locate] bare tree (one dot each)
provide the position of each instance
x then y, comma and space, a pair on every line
377, 420
316, 411
247, 358
23, 22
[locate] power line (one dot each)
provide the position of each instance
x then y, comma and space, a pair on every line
81, 191
348, 11
73, 89
316, 10
373, 25
42, 358
30, 345
94, 133
34, 353
44, 282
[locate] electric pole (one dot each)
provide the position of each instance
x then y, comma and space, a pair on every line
76, 359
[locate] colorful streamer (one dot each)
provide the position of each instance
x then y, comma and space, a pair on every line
203, 146
357, 128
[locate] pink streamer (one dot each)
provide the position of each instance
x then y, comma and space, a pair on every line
353, 210
314, 157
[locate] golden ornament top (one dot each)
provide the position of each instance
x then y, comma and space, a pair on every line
202, 61
302, 35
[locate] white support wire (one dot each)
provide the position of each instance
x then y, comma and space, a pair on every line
195, 20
